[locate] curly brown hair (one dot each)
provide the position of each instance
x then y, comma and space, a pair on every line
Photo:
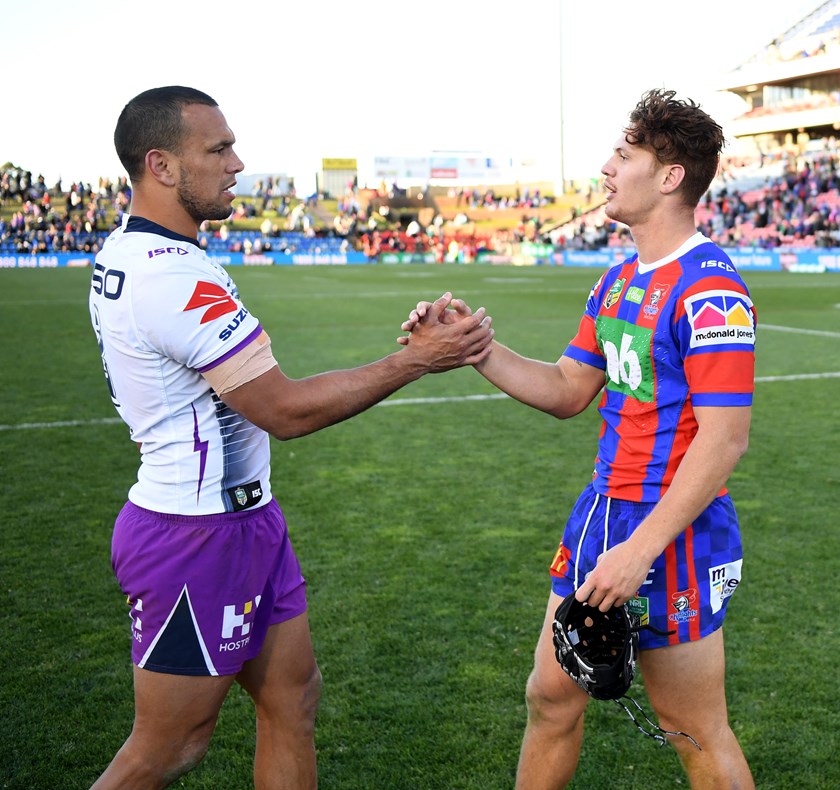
678, 131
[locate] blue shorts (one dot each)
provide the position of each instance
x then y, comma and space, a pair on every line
203, 590
689, 585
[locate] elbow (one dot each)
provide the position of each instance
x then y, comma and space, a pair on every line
740, 442
285, 429
286, 432
565, 414
294, 427
734, 450
568, 409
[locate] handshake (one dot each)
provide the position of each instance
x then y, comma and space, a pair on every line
446, 334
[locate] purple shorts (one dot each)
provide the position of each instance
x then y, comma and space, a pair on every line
689, 585
203, 590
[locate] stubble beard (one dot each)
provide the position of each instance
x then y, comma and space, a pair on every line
200, 209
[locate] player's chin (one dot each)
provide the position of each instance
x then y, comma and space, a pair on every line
221, 211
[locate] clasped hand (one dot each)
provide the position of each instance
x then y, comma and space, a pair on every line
463, 337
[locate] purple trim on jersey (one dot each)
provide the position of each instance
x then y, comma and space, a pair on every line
199, 447
137, 224
235, 350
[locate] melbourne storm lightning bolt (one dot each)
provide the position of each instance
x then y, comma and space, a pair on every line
199, 447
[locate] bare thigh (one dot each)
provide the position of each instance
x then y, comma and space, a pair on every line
685, 685
284, 676
171, 709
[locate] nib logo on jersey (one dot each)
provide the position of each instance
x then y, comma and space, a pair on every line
720, 318
216, 302
238, 625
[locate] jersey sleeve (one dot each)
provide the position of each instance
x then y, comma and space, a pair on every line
716, 332
192, 314
584, 346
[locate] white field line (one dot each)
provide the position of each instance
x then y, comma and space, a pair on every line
818, 332
453, 398
390, 402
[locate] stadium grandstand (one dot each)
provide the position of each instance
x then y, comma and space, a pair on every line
778, 191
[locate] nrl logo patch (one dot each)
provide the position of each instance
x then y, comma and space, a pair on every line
614, 294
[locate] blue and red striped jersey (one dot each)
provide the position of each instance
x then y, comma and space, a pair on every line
670, 336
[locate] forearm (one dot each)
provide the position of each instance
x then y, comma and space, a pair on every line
328, 398
288, 409
703, 472
545, 386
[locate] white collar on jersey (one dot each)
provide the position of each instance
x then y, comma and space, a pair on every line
697, 239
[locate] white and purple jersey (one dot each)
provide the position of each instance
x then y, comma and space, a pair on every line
163, 313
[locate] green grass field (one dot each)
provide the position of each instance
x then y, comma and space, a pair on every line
424, 528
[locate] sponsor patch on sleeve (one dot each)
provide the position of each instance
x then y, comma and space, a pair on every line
720, 318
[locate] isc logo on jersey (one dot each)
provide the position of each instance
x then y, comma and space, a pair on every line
720, 318
167, 251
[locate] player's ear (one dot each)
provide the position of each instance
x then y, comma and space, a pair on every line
673, 176
161, 165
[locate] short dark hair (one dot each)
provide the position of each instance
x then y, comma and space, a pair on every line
153, 120
678, 132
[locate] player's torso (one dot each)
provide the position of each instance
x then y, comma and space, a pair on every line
643, 327
161, 311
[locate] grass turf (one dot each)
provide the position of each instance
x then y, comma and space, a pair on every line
424, 530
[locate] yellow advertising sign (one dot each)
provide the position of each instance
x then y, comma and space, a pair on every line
338, 164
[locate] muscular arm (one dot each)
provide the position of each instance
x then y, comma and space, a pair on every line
722, 438
288, 408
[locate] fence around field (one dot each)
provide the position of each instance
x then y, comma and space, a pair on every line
816, 260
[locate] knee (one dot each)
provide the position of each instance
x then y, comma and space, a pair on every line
554, 699
311, 694
709, 734
164, 761
293, 707
187, 756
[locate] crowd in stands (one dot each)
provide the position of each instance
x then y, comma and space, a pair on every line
784, 200
799, 208
471, 198
790, 200
53, 219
